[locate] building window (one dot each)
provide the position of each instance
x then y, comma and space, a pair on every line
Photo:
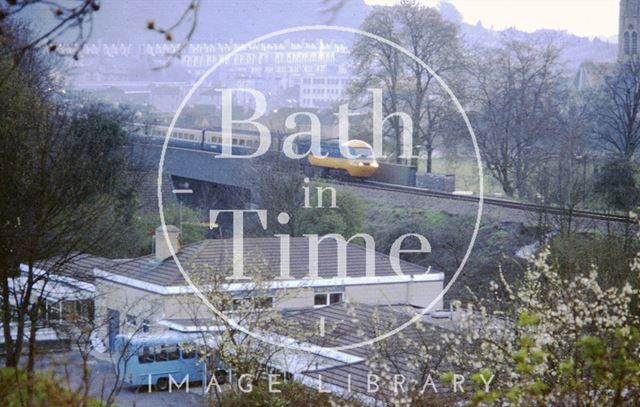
146, 355
131, 320
73, 310
335, 298
322, 300
264, 302
626, 43
69, 311
85, 309
189, 353
53, 311
168, 352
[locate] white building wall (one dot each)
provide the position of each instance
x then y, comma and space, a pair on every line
419, 294
144, 305
320, 91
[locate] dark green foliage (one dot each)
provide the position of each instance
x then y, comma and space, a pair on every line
346, 219
18, 390
578, 252
63, 188
449, 236
616, 184
97, 137
194, 228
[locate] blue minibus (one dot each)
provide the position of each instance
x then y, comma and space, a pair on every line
162, 360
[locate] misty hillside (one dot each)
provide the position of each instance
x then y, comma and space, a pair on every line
575, 49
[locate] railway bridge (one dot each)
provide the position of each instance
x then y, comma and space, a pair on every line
195, 165
202, 166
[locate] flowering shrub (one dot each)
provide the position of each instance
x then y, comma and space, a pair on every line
552, 341
291, 394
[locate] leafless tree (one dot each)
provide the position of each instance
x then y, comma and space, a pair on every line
516, 109
436, 43
379, 65
564, 180
407, 85
85, 334
252, 308
188, 18
74, 17
618, 110
279, 187
120, 357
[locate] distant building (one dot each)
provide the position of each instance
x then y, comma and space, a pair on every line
629, 26
323, 90
592, 74
278, 69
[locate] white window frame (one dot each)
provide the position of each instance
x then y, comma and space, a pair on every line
328, 298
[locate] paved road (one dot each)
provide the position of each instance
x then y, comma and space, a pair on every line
68, 367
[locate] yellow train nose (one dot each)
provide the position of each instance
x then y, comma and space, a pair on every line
367, 164
362, 169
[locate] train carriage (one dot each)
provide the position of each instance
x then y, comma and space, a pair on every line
361, 165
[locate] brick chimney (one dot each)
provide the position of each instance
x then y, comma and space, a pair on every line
162, 249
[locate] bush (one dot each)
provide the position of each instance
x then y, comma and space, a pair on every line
293, 394
617, 186
18, 391
193, 227
346, 219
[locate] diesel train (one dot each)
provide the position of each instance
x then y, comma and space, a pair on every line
361, 164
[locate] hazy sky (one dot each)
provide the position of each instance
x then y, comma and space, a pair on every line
582, 17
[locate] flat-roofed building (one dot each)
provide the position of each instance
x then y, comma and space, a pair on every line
147, 289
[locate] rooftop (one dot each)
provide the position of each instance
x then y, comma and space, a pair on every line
262, 253
348, 324
353, 323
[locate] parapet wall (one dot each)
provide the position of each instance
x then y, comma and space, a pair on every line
395, 174
436, 182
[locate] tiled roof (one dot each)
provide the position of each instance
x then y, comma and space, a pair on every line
591, 75
149, 269
259, 252
350, 324
78, 266
347, 324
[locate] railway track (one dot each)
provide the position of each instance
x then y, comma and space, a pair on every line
503, 203
491, 201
